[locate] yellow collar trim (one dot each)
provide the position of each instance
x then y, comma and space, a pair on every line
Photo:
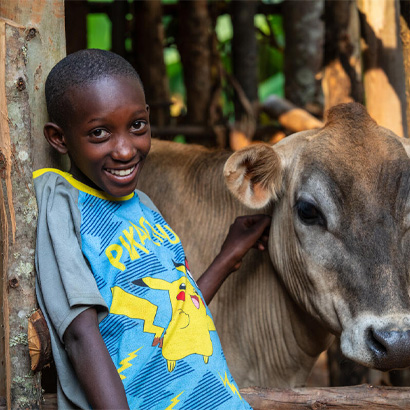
80, 186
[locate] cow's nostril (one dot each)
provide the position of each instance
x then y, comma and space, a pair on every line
390, 349
375, 342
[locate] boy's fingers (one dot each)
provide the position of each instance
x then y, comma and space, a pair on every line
261, 224
261, 231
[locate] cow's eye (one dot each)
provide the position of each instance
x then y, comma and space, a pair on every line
309, 214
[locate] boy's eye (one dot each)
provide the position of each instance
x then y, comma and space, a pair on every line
99, 133
138, 125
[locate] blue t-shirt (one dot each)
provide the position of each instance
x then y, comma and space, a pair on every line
159, 332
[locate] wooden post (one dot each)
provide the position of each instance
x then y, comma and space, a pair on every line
405, 40
31, 42
342, 72
194, 42
303, 58
384, 85
148, 42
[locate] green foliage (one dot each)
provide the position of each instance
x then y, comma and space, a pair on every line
98, 31
269, 34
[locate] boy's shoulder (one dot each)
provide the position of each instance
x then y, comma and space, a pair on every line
46, 176
51, 177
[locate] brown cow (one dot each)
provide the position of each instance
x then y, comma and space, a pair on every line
339, 243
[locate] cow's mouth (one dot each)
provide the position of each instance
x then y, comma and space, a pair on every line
195, 301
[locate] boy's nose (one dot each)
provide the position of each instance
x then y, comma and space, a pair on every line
124, 149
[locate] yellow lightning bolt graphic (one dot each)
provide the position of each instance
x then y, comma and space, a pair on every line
125, 363
231, 386
174, 401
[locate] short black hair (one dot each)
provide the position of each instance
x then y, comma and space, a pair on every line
80, 68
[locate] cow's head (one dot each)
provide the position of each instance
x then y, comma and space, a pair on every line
340, 235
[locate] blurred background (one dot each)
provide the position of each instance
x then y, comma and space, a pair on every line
218, 72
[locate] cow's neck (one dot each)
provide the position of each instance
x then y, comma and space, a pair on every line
285, 341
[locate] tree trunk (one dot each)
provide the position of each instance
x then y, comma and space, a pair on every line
341, 81
384, 83
194, 41
245, 64
31, 41
148, 52
304, 35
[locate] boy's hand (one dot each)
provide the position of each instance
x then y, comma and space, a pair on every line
246, 232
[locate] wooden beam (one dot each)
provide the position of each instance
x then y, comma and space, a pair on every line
289, 116
362, 397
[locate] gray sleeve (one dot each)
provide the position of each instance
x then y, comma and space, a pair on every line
64, 278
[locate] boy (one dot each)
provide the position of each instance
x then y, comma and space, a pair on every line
128, 324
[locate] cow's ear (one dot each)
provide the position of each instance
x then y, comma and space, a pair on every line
254, 175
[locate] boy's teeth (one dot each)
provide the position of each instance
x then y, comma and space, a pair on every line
121, 172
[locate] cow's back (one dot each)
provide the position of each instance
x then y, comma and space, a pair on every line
186, 183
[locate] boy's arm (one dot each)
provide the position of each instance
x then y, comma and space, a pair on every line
246, 232
93, 364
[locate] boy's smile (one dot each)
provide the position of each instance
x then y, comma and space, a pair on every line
108, 134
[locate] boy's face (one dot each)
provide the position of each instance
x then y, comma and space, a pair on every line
108, 135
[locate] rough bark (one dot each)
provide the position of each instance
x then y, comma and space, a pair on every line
29, 46
304, 34
18, 217
384, 83
194, 41
44, 20
341, 81
245, 62
148, 46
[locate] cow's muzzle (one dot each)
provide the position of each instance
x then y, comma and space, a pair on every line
390, 348
381, 342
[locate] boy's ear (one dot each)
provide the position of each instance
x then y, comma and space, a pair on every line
55, 137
